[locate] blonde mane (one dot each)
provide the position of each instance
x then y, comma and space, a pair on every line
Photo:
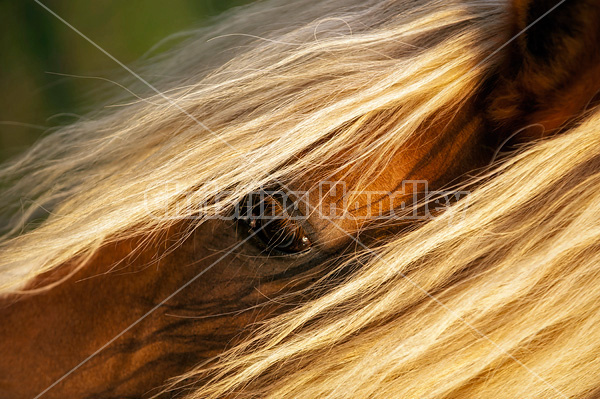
500, 294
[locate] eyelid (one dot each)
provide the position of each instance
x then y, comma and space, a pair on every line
280, 212
302, 213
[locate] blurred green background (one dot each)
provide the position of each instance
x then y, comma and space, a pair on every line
34, 44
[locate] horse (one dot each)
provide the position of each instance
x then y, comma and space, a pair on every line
334, 199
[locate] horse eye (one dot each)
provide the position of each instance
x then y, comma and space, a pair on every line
268, 216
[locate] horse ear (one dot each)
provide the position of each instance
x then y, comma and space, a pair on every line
552, 69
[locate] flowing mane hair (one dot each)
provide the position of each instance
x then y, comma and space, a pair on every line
501, 293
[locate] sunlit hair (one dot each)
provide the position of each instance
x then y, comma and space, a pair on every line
498, 297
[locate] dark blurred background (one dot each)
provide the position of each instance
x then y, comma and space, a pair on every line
34, 44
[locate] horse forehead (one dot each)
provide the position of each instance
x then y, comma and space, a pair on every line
345, 202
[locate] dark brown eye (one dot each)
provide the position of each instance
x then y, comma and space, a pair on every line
270, 216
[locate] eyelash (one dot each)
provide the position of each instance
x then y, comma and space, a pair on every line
272, 224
